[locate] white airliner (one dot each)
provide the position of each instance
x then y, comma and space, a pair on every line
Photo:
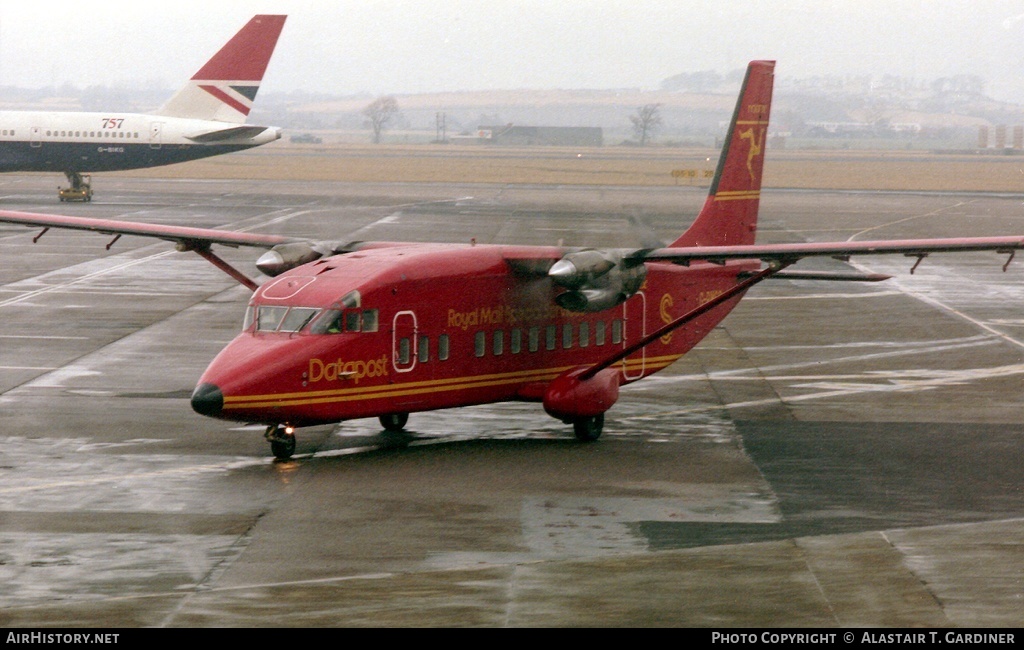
205, 118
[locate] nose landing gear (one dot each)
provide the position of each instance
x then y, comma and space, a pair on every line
282, 441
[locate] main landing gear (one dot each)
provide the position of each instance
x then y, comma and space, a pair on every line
394, 422
588, 429
282, 441
282, 438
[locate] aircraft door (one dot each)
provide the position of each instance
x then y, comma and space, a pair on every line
156, 134
404, 341
634, 312
35, 136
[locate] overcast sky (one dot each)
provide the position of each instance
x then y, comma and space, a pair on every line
412, 46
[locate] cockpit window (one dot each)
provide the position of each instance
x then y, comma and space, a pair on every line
369, 320
283, 319
297, 318
352, 321
329, 323
336, 321
351, 299
268, 318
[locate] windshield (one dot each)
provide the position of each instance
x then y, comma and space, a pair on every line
336, 321
279, 319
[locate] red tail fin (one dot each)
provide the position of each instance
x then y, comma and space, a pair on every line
729, 215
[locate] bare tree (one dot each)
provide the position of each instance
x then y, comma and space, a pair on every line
380, 113
646, 121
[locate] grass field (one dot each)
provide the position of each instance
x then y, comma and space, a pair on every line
860, 170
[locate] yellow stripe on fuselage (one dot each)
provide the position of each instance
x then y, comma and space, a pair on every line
424, 387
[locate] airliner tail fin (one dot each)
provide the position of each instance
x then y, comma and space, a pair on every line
224, 88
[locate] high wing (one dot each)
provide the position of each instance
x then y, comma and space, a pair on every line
567, 266
597, 279
789, 253
198, 240
187, 238
778, 257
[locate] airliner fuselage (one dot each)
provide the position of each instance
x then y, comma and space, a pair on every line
38, 141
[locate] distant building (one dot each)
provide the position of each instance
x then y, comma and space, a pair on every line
558, 136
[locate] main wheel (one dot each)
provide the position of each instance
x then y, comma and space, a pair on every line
588, 429
394, 421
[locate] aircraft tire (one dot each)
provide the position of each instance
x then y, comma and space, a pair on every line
588, 429
394, 421
283, 448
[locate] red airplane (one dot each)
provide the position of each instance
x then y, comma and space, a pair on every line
385, 329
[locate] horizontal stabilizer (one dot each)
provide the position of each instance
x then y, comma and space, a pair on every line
232, 133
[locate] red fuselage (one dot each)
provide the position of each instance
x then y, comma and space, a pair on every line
404, 328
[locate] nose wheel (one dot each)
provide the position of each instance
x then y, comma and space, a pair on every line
282, 441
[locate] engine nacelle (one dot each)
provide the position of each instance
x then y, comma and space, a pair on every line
581, 268
569, 398
605, 291
284, 257
590, 300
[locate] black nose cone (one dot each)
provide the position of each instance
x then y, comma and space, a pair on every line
207, 400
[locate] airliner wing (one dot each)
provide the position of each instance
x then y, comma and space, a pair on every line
187, 238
